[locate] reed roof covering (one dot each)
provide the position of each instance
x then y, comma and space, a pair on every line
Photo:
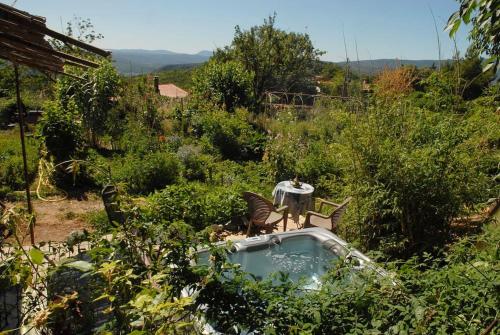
23, 41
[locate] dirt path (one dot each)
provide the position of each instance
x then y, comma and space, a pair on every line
56, 220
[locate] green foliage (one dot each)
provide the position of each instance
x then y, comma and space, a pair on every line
7, 80
98, 220
230, 134
146, 173
458, 81
198, 205
485, 32
307, 149
137, 114
93, 96
8, 112
135, 277
226, 84
196, 165
440, 93
278, 60
11, 161
60, 131
181, 77
411, 172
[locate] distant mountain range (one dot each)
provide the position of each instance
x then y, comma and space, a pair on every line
375, 65
139, 61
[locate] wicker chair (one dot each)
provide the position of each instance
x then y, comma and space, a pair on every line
109, 195
329, 222
263, 214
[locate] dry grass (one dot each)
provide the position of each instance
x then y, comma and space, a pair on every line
394, 83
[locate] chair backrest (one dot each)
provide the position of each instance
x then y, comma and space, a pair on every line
109, 195
338, 212
258, 206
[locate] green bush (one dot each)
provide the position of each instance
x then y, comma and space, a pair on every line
196, 165
144, 174
307, 149
198, 205
250, 175
61, 132
98, 220
232, 135
411, 172
138, 140
93, 95
226, 84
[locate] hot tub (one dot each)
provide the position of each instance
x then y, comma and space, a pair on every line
304, 254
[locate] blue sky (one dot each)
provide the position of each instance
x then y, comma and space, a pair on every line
381, 28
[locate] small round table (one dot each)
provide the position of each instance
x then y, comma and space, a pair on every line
298, 199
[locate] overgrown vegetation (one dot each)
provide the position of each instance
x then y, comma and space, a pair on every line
419, 155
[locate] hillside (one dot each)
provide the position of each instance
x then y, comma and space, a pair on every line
138, 61
376, 65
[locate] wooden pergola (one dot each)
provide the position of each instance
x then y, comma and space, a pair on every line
23, 42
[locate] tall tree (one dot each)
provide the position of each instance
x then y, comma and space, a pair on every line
225, 84
277, 60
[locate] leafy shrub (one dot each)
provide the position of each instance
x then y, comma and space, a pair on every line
198, 205
196, 165
98, 220
61, 132
282, 154
245, 176
93, 97
311, 160
232, 135
138, 140
226, 84
411, 172
144, 174
440, 93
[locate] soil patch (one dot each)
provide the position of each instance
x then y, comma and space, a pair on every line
56, 220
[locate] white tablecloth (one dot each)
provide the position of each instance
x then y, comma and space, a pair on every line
298, 200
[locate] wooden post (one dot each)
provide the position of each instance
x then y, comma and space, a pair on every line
156, 83
23, 146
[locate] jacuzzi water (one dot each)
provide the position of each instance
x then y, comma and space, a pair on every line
301, 257
304, 255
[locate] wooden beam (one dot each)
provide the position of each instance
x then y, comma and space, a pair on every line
27, 19
31, 62
19, 30
76, 42
6, 10
24, 52
48, 50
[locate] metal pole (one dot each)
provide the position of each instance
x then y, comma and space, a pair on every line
25, 162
